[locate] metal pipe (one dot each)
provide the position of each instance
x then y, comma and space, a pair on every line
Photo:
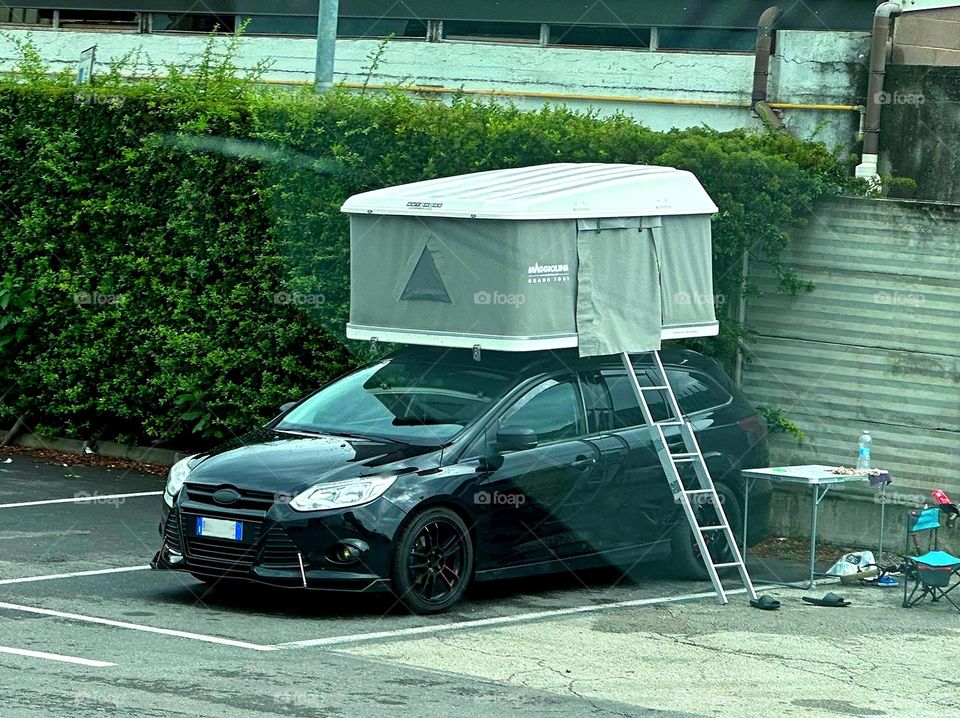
326, 43
439, 89
761, 68
764, 46
882, 17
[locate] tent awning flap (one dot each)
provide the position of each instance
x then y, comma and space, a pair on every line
618, 291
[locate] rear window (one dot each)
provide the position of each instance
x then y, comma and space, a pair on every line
694, 393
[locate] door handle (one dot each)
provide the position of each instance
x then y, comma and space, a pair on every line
582, 463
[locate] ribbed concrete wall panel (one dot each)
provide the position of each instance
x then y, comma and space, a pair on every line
876, 345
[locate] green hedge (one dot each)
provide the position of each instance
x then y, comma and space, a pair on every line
174, 257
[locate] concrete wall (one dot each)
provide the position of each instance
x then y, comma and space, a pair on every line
919, 127
809, 67
927, 37
876, 345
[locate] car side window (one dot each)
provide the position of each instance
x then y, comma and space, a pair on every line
552, 408
695, 392
626, 410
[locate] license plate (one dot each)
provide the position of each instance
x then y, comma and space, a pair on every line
220, 528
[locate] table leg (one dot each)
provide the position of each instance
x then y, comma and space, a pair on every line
746, 514
883, 508
814, 520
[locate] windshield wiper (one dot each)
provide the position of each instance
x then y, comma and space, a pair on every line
364, 437
410, 421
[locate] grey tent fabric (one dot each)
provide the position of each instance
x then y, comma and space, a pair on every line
488, 278
603, 285
618, 290
686, 279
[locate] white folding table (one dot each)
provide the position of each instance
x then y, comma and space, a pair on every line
820, 479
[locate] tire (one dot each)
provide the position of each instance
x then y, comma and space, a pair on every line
432, 561
685, 561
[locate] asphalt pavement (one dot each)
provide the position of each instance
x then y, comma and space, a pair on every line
87, 629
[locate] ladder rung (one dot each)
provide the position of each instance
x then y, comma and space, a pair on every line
693, 492
726, 565
718, 527
687, 455
669, 423
654, 388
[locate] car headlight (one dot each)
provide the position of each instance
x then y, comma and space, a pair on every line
178, 474
342, 494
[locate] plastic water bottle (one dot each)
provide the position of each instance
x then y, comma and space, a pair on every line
863, 459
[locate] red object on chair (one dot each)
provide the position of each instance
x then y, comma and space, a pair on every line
940, 496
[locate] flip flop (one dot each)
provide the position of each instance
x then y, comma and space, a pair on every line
765, 603
830, 600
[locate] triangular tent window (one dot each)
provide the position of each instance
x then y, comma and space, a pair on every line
425, 281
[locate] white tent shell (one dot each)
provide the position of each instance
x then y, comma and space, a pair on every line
604, 257
555, 191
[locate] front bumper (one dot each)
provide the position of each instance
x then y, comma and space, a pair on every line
282, 547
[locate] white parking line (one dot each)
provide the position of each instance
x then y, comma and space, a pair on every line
135, 627
496, 621
84, 498
55, 576
55, 657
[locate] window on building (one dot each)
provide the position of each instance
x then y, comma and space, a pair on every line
513, 32
182, 22
706, 39
25, 16
373, 27
588, 36
98, 20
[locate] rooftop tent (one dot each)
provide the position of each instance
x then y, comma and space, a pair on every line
604, 257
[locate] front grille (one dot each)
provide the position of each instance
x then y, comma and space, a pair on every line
259, 501
279, 550
171, 531
217, 553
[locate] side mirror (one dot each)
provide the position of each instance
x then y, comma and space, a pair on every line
284, 408
516, 438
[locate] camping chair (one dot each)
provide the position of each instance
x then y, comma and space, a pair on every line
933, 573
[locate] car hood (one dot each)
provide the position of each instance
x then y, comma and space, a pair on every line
276, 461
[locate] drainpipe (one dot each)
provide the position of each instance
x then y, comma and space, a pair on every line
882, 20
761, 68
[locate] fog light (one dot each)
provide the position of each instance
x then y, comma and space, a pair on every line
347, 551
171, 556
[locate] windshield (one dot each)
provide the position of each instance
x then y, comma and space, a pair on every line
416, 402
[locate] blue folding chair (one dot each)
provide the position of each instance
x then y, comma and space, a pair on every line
934, 573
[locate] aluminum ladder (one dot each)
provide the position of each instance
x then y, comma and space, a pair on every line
671, 463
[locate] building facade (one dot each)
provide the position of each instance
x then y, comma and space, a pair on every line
665, 65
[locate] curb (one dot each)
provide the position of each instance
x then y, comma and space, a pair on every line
109, 449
